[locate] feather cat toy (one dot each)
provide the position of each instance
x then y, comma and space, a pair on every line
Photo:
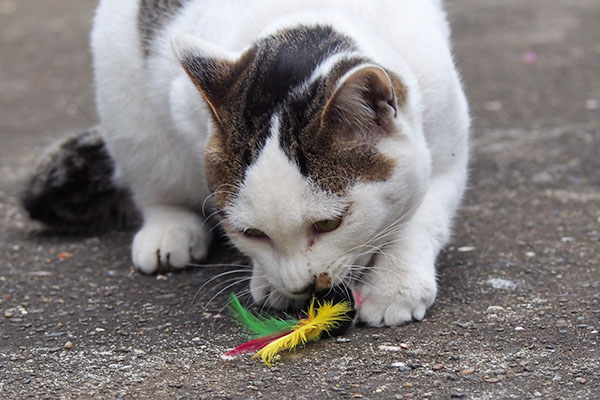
327, 314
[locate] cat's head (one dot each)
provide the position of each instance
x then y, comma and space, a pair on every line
313, 157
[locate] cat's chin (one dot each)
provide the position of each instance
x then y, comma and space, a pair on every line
294, 296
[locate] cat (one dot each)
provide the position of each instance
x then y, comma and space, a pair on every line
329, 139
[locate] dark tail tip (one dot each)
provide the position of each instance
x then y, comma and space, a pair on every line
72, 190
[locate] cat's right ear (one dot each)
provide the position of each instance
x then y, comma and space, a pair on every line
211, 69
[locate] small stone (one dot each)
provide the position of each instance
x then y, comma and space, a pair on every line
562, 323
490, 379
389, 348
494, 105
592, 104
529, 254
409, 385
581, 380
519, 328
502, 284
494, 309
342, 340
8, 314
466, 249
437, 367
401, 366
467, 371
463, 325
529, 58
457, 395
69, 345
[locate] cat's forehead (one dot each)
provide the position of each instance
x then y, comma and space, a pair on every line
288, 168
276, 196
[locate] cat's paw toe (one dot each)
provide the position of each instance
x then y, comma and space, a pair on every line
175, 248
146, 251
157, 248
396, 307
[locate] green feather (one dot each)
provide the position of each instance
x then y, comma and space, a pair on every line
258, 325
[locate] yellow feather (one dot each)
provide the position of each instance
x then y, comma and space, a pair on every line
318, 320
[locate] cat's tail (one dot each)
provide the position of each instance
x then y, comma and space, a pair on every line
72, 188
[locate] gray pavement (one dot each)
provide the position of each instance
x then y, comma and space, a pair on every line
519, 307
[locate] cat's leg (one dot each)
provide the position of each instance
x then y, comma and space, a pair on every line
401, 284
170, 237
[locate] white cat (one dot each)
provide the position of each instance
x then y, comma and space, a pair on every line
329, 136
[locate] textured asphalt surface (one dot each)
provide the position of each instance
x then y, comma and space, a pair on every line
518, 312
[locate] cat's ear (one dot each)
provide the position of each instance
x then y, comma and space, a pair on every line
211, 69
367, 99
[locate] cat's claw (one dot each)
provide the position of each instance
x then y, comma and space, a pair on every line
171, 246
392, 306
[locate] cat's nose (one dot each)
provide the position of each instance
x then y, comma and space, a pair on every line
322, 282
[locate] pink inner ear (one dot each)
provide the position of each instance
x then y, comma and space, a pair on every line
365, 101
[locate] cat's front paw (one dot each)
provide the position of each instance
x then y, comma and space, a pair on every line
170, 244
396, 300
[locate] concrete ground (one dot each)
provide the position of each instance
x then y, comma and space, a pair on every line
518, 312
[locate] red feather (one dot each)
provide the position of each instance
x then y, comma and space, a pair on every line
255, 344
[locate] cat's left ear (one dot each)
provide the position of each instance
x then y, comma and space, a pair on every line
367, 99
212, 69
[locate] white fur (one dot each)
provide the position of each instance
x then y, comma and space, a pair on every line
156, 126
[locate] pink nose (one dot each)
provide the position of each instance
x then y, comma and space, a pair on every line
322, 282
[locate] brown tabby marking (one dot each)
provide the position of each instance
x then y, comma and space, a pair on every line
271, 79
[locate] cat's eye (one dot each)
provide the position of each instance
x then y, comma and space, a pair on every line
327, 225
254, 233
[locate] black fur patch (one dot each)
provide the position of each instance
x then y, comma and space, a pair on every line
268, 79
72, 189
153, 16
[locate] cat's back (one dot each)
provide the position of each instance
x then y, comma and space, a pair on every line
136, 25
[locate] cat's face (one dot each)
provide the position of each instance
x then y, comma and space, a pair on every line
312, 162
